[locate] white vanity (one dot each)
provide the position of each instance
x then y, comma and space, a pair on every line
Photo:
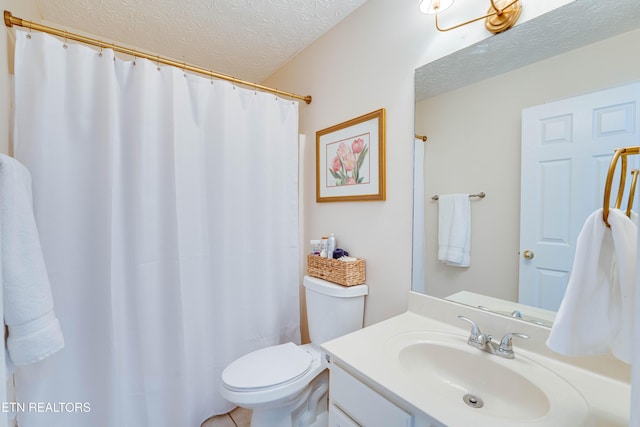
417, 369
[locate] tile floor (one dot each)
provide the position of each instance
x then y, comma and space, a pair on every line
239, 417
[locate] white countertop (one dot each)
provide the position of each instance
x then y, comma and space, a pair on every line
603, 381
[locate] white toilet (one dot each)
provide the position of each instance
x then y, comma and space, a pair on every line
287, 385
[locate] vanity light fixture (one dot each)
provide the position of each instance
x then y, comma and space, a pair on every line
501, 15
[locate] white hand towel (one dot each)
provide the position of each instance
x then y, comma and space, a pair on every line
454, 230
34, 330
596, 313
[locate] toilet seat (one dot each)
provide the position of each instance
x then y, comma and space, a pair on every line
288, 385
268, 368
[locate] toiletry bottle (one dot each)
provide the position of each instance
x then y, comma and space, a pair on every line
331, 245
316, 247
325, 247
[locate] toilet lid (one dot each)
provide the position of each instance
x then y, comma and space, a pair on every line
267, 367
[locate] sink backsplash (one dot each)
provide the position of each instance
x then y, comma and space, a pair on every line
496, 325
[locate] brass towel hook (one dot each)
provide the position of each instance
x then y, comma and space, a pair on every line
619, 154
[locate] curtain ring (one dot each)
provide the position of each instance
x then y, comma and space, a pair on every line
100, 53
158, 63
134, 57
65, 40
29, 34
113, 48
211, 76
184, 72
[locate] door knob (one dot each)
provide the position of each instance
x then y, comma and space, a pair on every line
528, 254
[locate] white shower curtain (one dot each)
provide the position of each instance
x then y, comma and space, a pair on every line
168, 213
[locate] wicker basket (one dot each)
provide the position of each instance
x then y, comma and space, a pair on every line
345, 273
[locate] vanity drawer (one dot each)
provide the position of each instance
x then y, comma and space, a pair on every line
362, 404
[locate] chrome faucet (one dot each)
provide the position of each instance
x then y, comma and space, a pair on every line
485, 343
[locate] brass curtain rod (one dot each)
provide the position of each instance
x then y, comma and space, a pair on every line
422, 137
10, 21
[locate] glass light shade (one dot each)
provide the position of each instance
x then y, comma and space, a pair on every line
431, 7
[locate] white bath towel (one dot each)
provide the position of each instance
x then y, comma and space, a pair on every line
34, 330
596, 313
454, 230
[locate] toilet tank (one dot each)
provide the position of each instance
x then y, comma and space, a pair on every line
333, 310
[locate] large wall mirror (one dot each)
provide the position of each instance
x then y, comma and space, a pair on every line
469, 105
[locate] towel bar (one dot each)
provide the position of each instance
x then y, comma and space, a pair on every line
480, 195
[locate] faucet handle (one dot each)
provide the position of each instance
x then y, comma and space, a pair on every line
506, 347
476, 336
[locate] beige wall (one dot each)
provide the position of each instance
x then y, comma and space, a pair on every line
365, 63
25, 9
474, 145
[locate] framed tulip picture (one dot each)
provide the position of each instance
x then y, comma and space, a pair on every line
350, 160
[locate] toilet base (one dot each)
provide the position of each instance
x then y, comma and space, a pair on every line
307, 409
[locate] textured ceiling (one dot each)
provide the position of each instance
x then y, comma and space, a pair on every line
569, 27
247, 39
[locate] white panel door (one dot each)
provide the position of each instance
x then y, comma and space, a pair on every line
566, 149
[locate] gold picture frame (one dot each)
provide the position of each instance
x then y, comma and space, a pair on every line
350, 160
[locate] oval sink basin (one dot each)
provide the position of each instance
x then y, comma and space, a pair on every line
479, 388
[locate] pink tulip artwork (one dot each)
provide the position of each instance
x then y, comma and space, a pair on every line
350, 164
350, 160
